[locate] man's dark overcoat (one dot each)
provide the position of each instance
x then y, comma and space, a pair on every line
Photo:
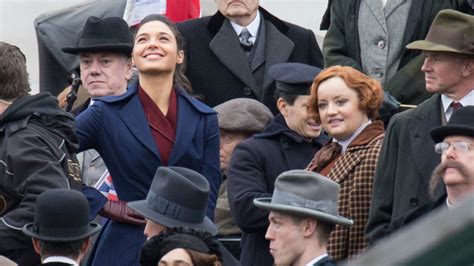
219, 69
255, 164
405, 164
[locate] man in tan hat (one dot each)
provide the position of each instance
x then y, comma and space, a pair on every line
303, 213
407, 157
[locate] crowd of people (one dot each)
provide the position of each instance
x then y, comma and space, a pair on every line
234, 140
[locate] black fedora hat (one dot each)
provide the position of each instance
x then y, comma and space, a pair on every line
61, 215
177, 198
461, 124
108, 34
305, 193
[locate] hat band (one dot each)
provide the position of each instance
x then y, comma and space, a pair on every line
91, 41
173, 210
55, 232
290, 199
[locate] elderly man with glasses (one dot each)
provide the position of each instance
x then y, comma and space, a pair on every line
454, 142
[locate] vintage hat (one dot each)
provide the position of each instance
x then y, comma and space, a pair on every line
108, 34
243, 114
305, 193
461, 124
61, 215
451, 31
177, 198
293, 78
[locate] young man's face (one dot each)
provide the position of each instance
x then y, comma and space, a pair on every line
286, 238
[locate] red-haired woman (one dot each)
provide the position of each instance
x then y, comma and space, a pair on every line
347, 103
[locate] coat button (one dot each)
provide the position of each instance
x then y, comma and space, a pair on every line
379, 74
286, 145
381, 44
414, 202
247, 91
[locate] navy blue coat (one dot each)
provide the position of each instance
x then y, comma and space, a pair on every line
117, 128
255, 164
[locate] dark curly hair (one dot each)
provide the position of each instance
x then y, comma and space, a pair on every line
189, 239
14, 82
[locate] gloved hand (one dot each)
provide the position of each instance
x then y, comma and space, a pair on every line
120, 212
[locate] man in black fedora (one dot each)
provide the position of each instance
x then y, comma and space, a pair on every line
303, 213
407, 157
104, 51
455, 142
61, 230
177, 198
288, 142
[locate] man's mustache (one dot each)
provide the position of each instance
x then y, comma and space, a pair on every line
438, 173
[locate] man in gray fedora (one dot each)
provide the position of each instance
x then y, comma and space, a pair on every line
303, 213
177, 198
61, 232
407, 157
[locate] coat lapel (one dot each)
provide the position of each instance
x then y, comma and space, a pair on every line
278, 49
188, 119
226, 47
376, 8
392, 5
425, 119
414, 17
133, 116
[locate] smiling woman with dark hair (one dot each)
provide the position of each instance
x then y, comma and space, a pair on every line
155, 123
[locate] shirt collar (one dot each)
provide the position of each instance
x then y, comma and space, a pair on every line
467, 100
252, 27
60, 259
318, 258
345, 143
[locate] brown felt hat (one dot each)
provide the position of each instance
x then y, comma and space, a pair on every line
451, 31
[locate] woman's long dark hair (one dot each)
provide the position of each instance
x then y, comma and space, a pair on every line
179, 78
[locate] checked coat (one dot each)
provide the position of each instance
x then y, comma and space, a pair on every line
354, 171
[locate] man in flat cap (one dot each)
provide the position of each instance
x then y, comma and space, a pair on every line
303, 213
455, 142
238, 119
289, 142
407, 157
61, 231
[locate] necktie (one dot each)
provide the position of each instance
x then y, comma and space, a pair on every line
456, 105
244, 38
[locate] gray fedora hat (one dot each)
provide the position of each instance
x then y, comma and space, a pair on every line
109, 34
243, 114
61, 215
177, 198
460, 124
451, 31
305, 193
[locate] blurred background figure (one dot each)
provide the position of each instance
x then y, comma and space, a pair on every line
181, 246
346, 102
37, 153
230, 52
61, 232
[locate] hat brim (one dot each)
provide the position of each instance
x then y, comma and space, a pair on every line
144, 209
118, 48
265, 203
93, 229
430, 46
439, 133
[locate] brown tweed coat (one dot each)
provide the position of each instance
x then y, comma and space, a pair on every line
354, 172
